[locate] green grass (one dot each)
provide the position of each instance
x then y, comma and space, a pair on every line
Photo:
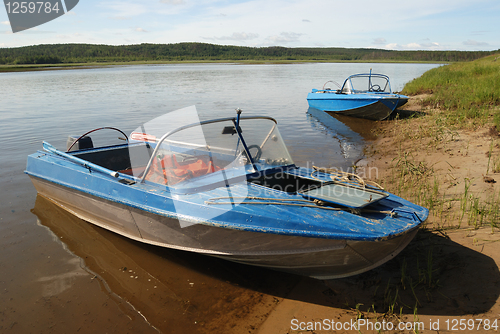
467, 95
465, 91
463, 96
420, 186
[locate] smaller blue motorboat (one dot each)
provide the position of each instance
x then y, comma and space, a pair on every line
366, 95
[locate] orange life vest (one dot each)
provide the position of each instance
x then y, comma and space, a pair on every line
169, 171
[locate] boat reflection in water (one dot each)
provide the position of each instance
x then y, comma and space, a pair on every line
174, 291
351, 133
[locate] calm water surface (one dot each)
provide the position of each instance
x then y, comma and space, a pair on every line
59, 274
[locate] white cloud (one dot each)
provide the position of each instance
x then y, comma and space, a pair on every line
414, 46
471, 42
5, 23
404, 25
285, 37
123, 10
173, 2
237, 36
216, 20
432, 45
392, 46
379, 41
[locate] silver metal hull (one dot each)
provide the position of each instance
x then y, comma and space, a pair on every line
377, 111
315, 257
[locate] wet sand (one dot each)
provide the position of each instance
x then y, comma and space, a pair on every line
457, 249
447, 280
119, 285
150, 289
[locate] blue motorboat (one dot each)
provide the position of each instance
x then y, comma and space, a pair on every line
228, 188
367, 95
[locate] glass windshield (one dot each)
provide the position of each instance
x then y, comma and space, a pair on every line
209, 152
367, 84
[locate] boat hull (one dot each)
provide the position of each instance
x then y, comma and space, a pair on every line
370, 106
316, 257
355, 258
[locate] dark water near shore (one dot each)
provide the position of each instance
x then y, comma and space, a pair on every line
59, 274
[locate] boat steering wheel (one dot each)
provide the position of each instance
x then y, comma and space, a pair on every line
375, 88
258, 154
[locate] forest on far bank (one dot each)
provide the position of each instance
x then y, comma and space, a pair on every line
90, 53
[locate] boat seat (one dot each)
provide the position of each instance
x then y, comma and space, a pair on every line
170, 171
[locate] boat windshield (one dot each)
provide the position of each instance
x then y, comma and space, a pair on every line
204, 152
366, 83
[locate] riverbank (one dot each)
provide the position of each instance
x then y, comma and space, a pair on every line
447, 279
204, 52
451, 269
451, 170
78, 66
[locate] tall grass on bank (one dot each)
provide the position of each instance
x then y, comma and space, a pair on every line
414, 181
449, 198
464, 95
470, 90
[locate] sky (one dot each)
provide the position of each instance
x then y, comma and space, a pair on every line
383, 24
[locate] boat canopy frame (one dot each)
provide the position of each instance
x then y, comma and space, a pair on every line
237, 130
348, 87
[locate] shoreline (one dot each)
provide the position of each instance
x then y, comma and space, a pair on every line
77, 66
449, 273
454, 173
457, 167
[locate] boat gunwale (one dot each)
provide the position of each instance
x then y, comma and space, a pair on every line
153, 189
234, 226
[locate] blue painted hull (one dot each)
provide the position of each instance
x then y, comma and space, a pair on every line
370, 106
304, 240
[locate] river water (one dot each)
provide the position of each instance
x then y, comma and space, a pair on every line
59, 274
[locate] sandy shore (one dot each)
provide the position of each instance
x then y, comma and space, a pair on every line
447, 280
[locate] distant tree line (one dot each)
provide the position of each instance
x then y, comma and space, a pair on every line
84, 53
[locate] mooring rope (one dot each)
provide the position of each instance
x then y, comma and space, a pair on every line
341, 176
